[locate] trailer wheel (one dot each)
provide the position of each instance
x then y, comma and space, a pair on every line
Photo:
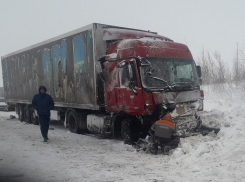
27, 113
34, 117
21, 113
73, 122
130, 131
17, 109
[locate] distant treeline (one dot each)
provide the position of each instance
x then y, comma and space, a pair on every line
215, 70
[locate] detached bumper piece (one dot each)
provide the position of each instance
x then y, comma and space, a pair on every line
190, 125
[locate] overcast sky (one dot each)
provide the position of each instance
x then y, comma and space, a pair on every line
212, 25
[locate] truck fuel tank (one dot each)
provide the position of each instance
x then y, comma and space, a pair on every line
100, 124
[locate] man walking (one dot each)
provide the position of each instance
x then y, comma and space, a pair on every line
43, 103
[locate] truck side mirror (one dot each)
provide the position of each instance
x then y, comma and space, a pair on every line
199, 71
132, 76
99, 68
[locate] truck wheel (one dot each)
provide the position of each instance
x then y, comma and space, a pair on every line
34, 117
27, 112
73, 122
130, 131
17, 109
21, 113
83, 123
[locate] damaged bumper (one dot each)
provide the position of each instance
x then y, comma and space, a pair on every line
187, 120
190, 125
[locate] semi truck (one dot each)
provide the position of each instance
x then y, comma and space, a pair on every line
109, 80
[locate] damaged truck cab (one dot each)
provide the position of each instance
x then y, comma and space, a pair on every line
146, 75
110, 80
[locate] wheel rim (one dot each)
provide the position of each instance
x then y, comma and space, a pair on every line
125, 132
72, 123
27, 115
21, 114
33, 115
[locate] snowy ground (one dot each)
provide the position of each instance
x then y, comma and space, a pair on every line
72, 157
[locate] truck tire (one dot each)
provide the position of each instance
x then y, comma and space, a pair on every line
27, 113
17, 109
130, 131
21, 113
83, 123
34, 117
73, 122
10, 108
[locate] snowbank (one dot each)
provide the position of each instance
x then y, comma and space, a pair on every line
71, 157
221, 157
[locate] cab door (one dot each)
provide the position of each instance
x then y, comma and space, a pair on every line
129, 92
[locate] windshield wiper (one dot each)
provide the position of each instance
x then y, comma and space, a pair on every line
168, 86
185, 83
158, 79
147, 64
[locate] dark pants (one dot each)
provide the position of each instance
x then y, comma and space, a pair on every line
44, 125
162, 142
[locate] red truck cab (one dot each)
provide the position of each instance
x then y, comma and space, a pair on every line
145, 74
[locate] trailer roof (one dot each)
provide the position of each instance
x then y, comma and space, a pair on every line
90, 26
51, 40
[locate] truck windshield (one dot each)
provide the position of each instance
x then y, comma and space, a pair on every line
167, 72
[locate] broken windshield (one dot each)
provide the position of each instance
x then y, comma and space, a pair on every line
162, 72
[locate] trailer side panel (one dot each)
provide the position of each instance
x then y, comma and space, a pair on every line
64, 66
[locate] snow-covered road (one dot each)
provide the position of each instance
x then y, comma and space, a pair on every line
72, 157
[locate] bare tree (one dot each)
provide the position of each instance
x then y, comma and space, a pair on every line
222, 71
242, 53
214, 69
202, 61
239, 65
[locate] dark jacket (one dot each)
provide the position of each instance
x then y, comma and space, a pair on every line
43, 103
